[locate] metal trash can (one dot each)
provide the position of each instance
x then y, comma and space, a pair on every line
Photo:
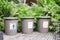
43, 23
1, 35
27, 24
10, 25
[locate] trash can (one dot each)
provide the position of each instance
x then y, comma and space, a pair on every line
10, 24
27, 24
43, 23
1, 35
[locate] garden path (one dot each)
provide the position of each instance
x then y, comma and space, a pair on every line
33, 36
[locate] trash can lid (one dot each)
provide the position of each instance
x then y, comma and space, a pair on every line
10, 18
27, 17
43, 17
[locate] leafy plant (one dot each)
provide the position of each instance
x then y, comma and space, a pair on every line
6, 9
25, 10
11, 9
57, 27
50, 8
57, 2
44, 8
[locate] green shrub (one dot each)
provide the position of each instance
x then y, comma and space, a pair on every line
44, 8
11, 9
50, 8
6, 9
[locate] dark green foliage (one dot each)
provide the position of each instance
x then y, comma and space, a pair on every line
57, 2
6, 9
17, 10
50, 8
44, 8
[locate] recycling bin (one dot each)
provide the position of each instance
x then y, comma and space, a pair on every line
10, 24
43, 23
27, 24
1, 35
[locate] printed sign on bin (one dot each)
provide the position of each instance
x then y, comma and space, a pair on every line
45, 24
12, 26
30, 24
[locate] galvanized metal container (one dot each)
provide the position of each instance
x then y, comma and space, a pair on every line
43, 23
10, 25
27, 24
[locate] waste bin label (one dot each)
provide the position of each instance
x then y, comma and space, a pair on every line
12, 26
30, 24
45, 24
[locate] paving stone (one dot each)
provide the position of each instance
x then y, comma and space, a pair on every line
1, 35
33, 36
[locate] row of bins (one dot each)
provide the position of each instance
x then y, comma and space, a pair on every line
11, 23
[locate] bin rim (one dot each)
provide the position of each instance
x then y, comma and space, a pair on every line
43, 17
27, 17
10, 18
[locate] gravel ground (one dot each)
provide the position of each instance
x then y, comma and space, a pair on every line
33, 36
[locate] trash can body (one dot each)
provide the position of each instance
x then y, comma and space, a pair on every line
1, 35
27, 25
43, 23
10, 25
